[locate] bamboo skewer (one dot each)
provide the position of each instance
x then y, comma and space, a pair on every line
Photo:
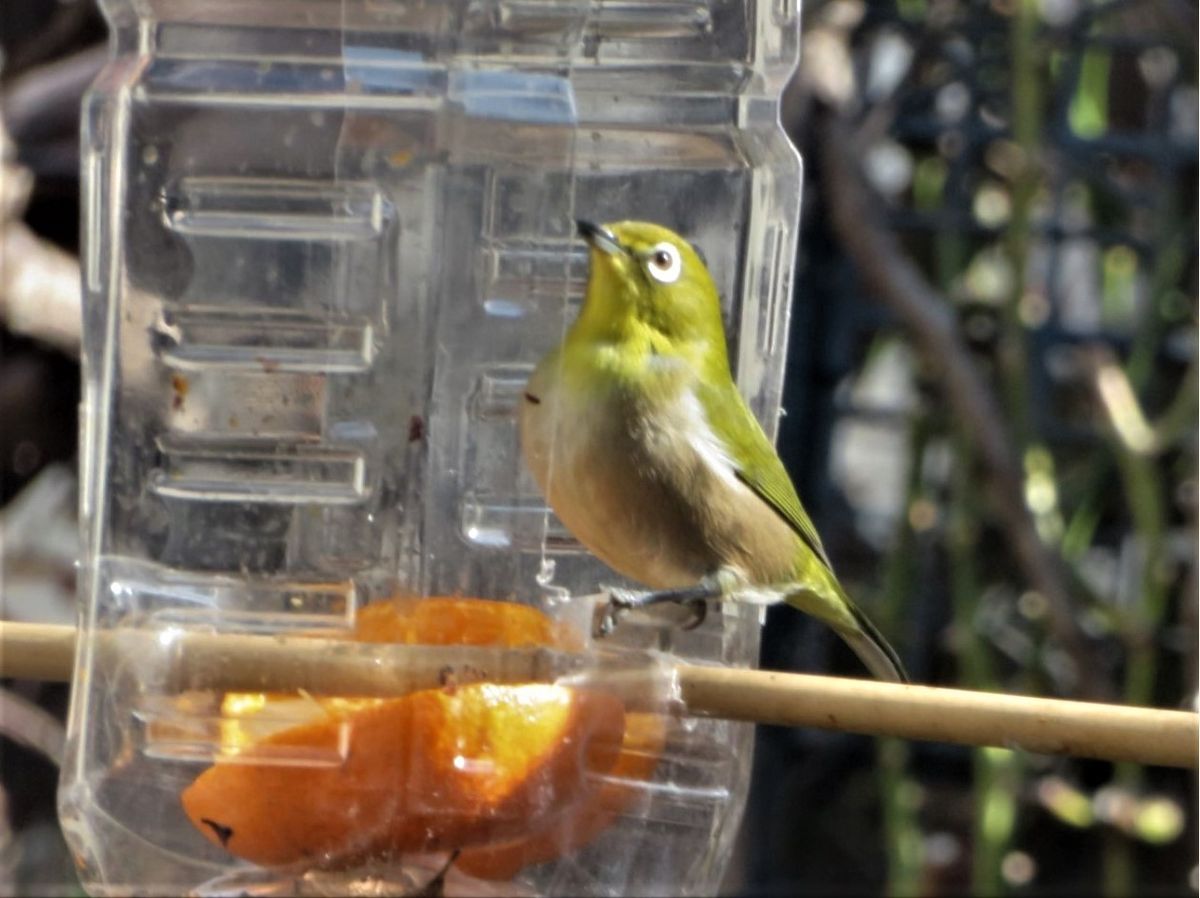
190, 660
1048, 726
36, 651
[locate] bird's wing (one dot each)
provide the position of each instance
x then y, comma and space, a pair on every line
756, 462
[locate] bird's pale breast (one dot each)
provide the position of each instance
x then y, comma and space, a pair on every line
648, 488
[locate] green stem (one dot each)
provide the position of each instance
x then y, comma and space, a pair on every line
901, 824
1143, 487
997, 772
1027, 124
902, 829
1169, 262
1180, 413
1117, 865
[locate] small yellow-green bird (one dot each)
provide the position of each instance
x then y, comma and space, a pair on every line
642, 445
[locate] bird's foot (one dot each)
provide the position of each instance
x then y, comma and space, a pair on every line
695, 598
699, 610
619, 601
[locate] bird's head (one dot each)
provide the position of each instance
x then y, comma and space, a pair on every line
646, 274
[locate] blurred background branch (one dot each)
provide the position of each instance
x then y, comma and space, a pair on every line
39, 282
992, 413
891, 277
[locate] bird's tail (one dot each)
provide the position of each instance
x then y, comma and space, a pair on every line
824, 598
872, 649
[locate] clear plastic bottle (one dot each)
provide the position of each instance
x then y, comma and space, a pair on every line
325, 242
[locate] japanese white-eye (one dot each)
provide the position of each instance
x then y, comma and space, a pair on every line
643, 446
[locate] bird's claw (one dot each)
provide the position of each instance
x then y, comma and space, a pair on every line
699, 610
619, 601
622, 600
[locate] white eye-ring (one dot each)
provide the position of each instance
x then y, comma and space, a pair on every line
664, 263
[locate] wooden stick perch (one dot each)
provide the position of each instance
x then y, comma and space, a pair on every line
190, 660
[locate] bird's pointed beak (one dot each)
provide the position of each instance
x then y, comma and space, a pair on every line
599, 237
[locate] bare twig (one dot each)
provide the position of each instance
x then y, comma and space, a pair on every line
894, 280
27, 724
44, 102
39, 283
39, 288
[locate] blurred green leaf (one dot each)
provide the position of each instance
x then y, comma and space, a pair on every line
1088, 114
1158, 820
1065, 802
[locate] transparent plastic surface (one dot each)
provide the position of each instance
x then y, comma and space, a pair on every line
325, 243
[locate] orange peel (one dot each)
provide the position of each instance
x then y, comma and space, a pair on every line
429, 771
508, 774
607, 798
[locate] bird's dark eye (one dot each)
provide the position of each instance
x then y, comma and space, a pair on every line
664, 263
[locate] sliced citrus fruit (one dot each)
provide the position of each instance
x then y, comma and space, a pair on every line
433, 770
608, 796
328, 780
456, 621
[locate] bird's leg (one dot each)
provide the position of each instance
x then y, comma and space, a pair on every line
622, 600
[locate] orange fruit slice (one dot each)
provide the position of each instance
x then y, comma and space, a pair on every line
608, 796
453, 621
430, 771
437, 769
249, 716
